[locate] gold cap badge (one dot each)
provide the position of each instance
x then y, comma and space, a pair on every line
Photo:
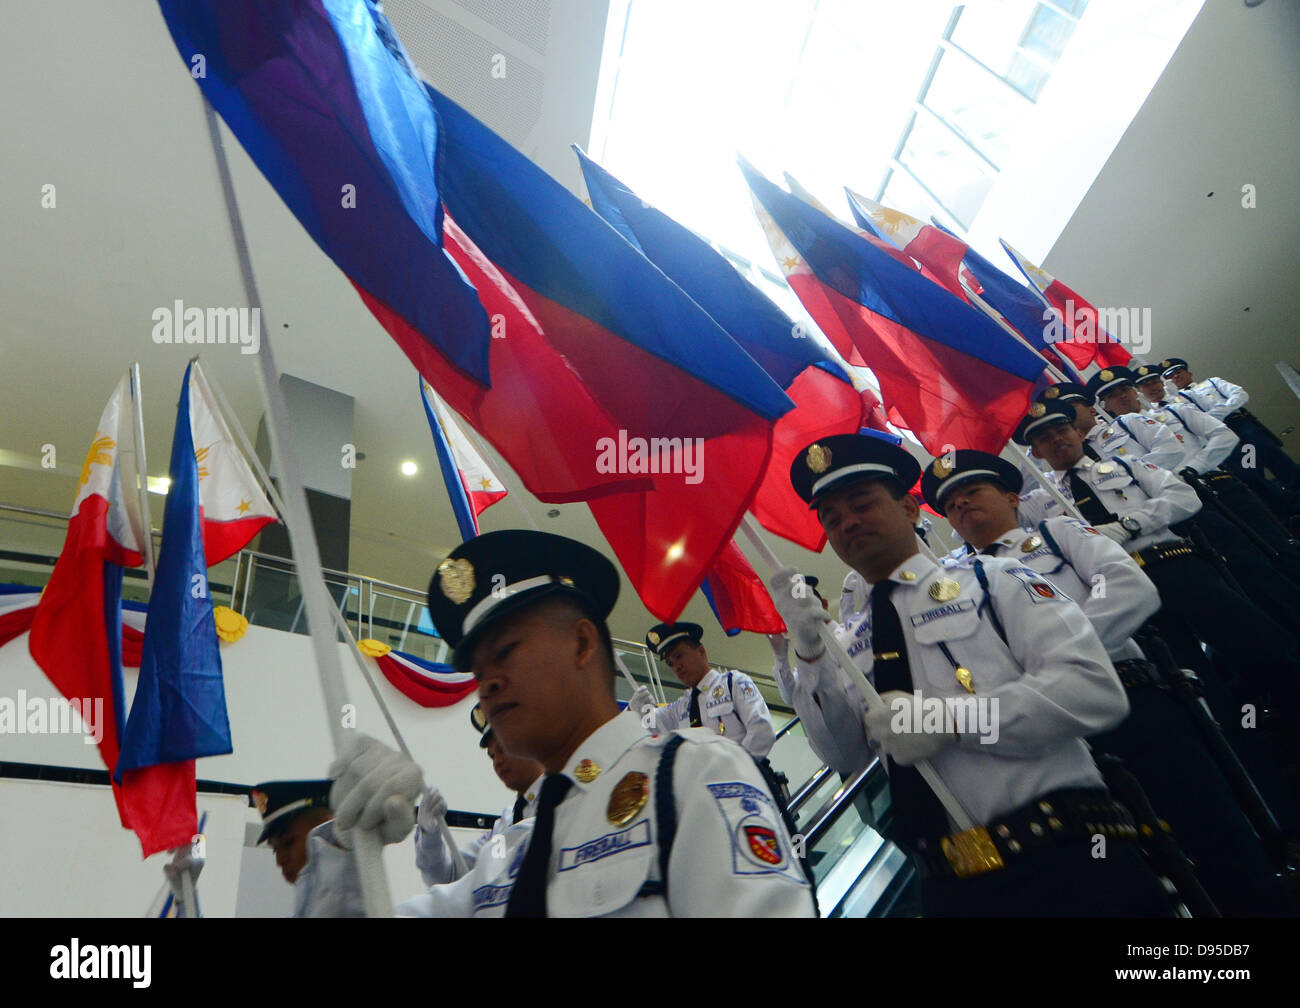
629, 797
942, 467
945, 590
653, 638
456, 578
1107, 375
259, 799
1037, 410
586, 771
1051, 392
819, 458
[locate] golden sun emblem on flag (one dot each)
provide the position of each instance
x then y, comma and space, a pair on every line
891, 221
101, 453
1041, 277
200, 457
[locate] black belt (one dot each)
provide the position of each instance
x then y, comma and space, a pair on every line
1137, 672
1059, 818
1163, 551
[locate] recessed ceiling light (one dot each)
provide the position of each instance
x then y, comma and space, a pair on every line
409, 468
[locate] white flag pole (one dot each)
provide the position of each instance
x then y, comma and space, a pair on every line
833, 647
142, 476
302, 538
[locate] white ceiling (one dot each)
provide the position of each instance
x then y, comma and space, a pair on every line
95, 100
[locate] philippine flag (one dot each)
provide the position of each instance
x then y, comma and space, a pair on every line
232, 506
471, 484
76, 630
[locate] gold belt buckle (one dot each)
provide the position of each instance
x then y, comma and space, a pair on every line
1137, 559
971, 852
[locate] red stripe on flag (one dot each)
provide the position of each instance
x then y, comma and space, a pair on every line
824, 405
160, 804
225, 539
537, 413
916, 377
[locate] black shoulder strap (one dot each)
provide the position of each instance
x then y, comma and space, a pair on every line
729, 675
1123, 426
988, 600
665, 806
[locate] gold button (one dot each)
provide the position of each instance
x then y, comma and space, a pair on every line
1055, 823
1045, 807
1013, 846
1004, 831
1036, 829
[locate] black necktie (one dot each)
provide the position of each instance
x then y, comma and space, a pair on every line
528, 898
521, 803
1091, 452
695, 707
1092, 509
990, 550
917, 813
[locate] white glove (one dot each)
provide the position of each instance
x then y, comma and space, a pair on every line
1114, 530
906, 747
641, 700
374, 788
800, 611
183, 860
430, 850
780, 647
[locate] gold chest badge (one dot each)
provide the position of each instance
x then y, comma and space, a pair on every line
1030, 544
945, 590
629, 797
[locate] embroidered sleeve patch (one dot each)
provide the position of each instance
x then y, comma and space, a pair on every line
1036, 587
757, 847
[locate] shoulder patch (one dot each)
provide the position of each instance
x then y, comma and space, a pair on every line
757, 844
1150, 466
1038, 588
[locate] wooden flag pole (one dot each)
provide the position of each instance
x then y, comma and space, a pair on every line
836, 650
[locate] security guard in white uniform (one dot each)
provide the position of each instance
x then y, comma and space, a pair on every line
627, 824
1256, 657
1260, 453
1135, 438
991, 636
727, 703
1159, 741
523, 776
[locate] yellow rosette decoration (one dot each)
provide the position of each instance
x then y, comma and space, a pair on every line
231, 626
373, 648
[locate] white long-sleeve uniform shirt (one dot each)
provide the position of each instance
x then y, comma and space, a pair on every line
1215, 396
1155, 498
834, 731
738, 712
1137, 438
1051, 678
436, 863
1094, 571
1208, 441
731, 856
